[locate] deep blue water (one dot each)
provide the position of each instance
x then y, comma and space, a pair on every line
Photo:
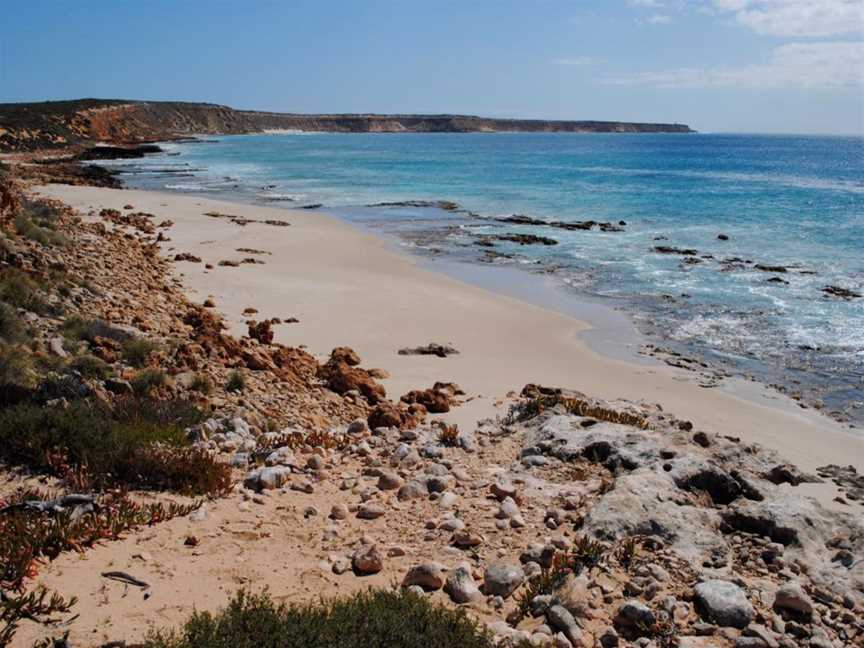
796, 202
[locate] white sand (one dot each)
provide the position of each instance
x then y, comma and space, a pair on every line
349, 288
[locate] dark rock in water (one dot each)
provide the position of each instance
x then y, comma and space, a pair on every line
440, 350
770, 268
588, 225
526, 239
665, 249
312, 206
778, 280
446, 205
722, 237
484, 242
117, 152
842, 293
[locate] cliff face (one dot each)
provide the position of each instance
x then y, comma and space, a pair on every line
27, 127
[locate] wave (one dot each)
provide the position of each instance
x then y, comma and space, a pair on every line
798, 182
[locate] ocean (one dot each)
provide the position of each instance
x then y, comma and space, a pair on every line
732, 254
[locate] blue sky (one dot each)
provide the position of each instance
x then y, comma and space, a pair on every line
718, 65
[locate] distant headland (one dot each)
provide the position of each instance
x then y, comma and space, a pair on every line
52, 124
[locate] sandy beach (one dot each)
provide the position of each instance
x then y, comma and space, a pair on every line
351, 288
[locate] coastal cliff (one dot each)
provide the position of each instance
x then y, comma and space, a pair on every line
55, 124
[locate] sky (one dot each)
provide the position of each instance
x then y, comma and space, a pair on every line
767, 66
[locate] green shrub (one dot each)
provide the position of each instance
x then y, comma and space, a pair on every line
38, 222
373, 619
136, 351
90, 367
148, 380
11, 327
202, 384
16, 366
19, 290
236, 382
137, 444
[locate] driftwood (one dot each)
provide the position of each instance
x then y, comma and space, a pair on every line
123, 577
79, 504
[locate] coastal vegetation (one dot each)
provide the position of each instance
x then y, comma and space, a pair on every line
371, 618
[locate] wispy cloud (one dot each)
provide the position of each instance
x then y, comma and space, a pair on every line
577, 60
659, 19
791, 65
796, 18
651, 4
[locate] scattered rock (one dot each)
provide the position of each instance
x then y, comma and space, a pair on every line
502, 579
723, 603
429, 576
367, 560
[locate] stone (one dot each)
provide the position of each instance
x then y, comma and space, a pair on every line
55, 345
339, 512
267, 478
609, 638
448, 499
507, 509
792, 600
370, 512
412, 490
429, 576
633, 615
502, 490
367, 560
452, 524
389, 480
465, 539
723, 603
560, 619
340, 564
502, 579
283, 456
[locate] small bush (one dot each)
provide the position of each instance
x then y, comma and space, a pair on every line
78, 328
137, 351
90, 367
38, 222
16, 366
202, 384
138, 444
236, 382
147, 381
371, 619
11, 327
18, 289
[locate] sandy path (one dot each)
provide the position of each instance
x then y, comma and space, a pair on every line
348, 288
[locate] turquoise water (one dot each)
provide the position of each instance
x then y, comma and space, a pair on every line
795, 202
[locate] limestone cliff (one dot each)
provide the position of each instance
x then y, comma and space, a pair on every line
53, 124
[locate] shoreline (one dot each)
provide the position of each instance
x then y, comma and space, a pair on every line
349, 287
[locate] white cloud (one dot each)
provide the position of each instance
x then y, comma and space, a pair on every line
792, 65
797, 18
659, 19
578, 60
